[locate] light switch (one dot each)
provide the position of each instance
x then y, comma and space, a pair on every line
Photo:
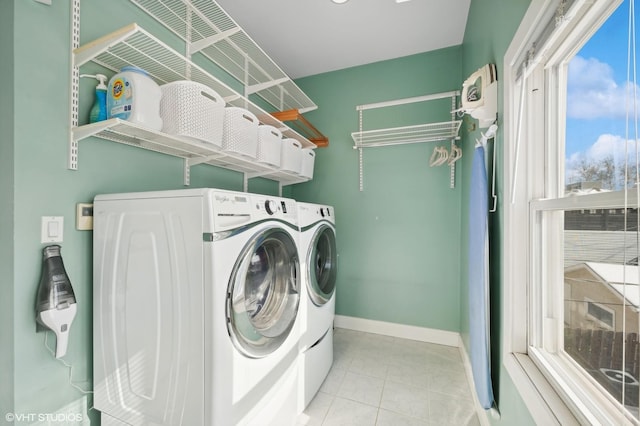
52, 229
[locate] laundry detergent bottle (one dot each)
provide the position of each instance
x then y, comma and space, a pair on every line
99, 109
133, 96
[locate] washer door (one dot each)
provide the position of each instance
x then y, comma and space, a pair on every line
322, 262
263, 294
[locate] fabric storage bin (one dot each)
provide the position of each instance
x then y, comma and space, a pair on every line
269, 145
291, 159
192, 110
308, 160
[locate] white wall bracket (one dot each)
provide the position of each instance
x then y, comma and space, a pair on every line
206, 42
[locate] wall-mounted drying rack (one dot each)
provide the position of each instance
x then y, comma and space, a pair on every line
421, 133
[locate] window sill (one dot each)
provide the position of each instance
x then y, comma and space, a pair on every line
544, 403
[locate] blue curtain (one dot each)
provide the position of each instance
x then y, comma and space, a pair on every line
479, 280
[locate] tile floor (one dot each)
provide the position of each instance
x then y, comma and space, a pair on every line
386, 381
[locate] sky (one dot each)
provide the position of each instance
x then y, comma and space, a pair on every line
596, 98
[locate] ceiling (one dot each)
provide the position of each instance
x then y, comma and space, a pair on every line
307, 37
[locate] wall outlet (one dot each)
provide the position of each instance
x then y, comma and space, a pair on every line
84, 216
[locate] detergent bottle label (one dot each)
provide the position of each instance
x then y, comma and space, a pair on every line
120, 94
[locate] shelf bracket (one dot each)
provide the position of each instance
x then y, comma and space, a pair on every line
230, 99
91, 50
248, 90
197, 46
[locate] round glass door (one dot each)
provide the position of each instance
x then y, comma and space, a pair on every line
322, 265
263, 294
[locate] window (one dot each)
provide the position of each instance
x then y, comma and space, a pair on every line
571, 211
603, 315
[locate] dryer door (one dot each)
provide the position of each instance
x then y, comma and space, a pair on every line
322, 262
263, 294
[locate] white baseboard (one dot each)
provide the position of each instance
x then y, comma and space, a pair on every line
412, 332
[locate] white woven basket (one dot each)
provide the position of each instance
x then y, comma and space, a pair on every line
192, 110
291, 156
269, 145
308, 161
240, 132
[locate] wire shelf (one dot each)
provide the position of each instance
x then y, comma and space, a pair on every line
194, 152
432, 132
208, 29
420, 133
132, 45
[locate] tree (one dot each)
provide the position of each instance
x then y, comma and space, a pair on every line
605, 172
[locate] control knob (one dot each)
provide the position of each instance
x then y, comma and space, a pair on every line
270, 206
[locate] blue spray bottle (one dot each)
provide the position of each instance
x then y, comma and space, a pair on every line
98, 111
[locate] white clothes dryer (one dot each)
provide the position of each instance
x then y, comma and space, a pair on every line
196, 301
317, 306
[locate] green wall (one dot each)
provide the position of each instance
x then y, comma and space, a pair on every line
486, 42
6, 209
399, 239
36, 179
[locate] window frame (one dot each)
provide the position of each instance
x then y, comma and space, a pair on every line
548, 380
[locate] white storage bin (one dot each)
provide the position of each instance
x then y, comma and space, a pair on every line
269, 145
240, 132
291, 160
308, 161
193, 110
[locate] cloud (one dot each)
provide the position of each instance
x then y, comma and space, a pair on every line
592, 91
606, 146
609, 145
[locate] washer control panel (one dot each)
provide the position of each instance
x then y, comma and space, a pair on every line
233, 209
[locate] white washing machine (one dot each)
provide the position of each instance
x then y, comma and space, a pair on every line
317, 306
196, 302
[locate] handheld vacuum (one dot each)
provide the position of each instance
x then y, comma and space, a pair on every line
56, 302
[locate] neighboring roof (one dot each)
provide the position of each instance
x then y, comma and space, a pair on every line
585, 191
608, 247
624, 279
